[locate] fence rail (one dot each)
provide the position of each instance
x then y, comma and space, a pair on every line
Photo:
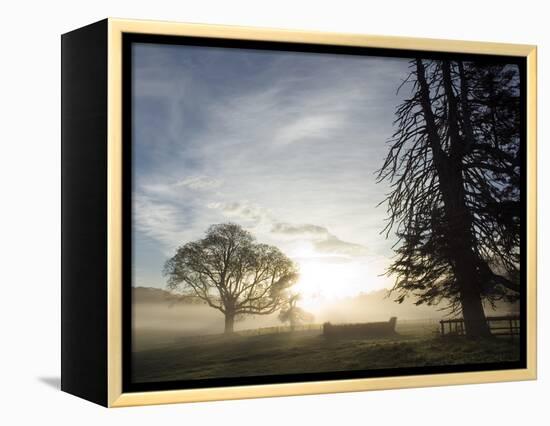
279, 329
500, 326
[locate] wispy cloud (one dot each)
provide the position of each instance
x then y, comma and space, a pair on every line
308, 127
199, 183
303, 230
160, 221
322, 240
286, 144
242, 210
335, 246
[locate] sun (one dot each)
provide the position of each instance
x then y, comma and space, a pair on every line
326, 279
324, 282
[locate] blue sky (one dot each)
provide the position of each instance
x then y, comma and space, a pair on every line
284, 143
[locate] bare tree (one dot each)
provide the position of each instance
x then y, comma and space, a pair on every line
454, 168
293, 314
232, 273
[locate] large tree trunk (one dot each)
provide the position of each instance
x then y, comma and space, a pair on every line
229, 322
461, 241
465, 263
451, 183
465, 260
473, 314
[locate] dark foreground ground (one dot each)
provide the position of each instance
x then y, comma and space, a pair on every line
308, 352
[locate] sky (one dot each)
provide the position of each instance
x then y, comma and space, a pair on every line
286, 144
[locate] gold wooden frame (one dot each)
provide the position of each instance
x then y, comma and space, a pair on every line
116, 27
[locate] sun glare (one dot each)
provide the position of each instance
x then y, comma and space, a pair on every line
321, 282
326, 279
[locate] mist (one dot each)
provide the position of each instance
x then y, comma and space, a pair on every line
159, 319
158, 324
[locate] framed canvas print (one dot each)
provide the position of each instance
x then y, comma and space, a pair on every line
250, 212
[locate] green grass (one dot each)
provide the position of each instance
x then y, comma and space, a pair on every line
307, 352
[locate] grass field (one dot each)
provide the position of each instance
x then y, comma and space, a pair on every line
308, 351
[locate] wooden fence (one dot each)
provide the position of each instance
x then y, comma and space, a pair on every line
279, 329
500, 326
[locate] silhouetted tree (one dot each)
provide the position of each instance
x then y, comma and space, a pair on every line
232, 273
293, 314
454, 168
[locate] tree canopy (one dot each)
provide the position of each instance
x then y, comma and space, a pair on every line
232, 273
